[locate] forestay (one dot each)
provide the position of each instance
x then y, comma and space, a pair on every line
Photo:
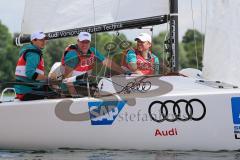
55, 15
221, 54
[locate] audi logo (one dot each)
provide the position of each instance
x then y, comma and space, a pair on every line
177, 110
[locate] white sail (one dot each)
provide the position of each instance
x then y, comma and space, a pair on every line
222, 42
55, 15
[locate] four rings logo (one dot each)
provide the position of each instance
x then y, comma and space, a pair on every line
182, 110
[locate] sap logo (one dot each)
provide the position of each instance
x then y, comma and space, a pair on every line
104, 113
236, 109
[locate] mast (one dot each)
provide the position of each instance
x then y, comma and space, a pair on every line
174, 35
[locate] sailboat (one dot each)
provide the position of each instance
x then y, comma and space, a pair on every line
187, 111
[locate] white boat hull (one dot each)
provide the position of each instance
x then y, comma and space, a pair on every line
75, 123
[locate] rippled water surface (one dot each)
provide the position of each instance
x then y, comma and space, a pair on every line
117, 155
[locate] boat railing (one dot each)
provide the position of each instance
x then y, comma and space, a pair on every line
8, 98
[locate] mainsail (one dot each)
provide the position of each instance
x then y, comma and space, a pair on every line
221, 54
55, 15
67, 18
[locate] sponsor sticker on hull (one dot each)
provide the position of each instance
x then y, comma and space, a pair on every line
236, 116
105, 112
166, 133
180, 110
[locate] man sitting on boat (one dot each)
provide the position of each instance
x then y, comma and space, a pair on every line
30, 69
80, 59
141, 60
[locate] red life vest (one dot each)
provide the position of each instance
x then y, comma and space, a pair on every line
145, 66
86, 62
21, 64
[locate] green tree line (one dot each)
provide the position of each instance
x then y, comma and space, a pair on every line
190, 49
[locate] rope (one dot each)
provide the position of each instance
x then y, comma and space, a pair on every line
164, 55
95, 35
202, 25
104, 67
206, 13
195, 43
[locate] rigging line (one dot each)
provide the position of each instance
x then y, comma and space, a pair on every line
151, 29
137, 77
164, 55
95, 35
104, 67
115, 18
134, 83
125, 87
205, 29
108, 55
151, 48
22, 21
202, 26
194, 36
122, 40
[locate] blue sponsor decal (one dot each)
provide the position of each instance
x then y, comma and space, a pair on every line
236, 109
237, 132
105, 112
237, 129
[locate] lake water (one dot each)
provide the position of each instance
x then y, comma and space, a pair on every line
117, 155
